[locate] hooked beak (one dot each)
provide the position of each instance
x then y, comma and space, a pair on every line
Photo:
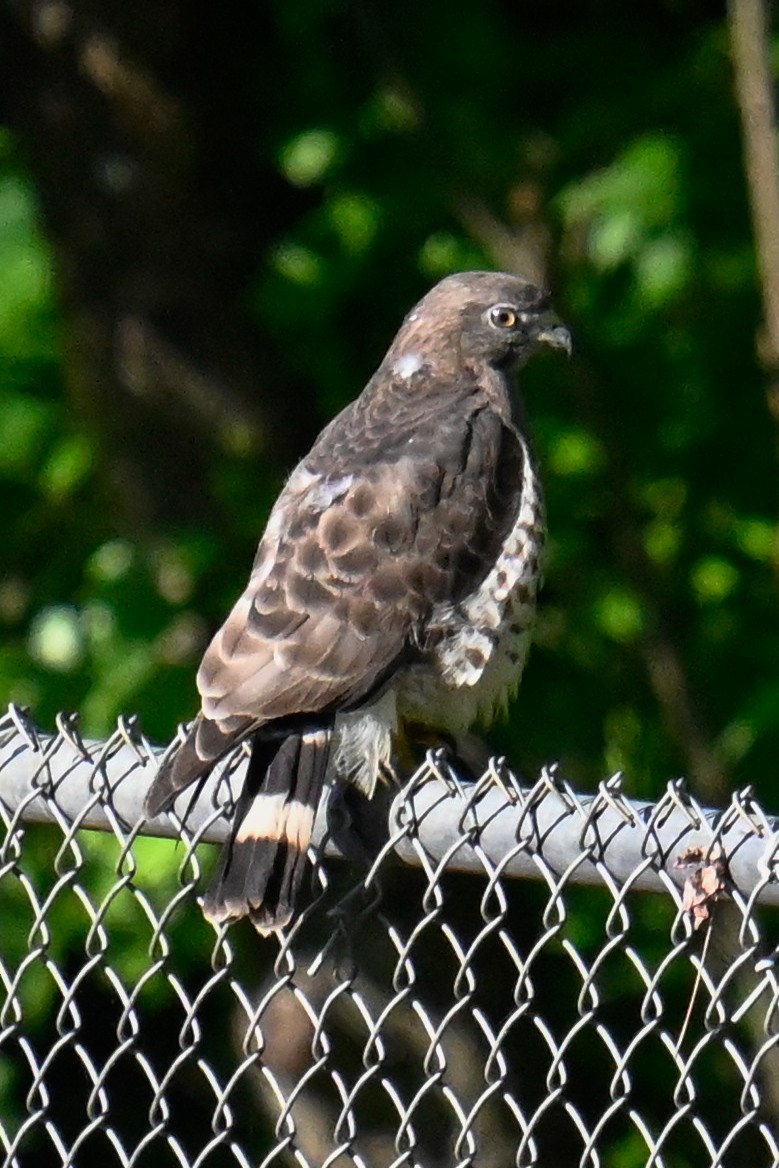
551, 332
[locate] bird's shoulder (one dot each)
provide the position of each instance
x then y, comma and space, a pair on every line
408, 506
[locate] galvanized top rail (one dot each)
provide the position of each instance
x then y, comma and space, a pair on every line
495, 824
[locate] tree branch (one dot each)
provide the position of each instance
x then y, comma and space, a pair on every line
748, 22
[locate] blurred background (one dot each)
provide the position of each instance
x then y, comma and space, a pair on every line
212, 219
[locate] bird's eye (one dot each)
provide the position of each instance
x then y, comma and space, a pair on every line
502, 316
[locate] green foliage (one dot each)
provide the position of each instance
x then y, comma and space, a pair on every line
429, 141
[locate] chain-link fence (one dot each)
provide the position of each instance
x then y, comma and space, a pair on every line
427, 1008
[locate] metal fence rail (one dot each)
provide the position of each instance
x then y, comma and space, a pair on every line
427, 1008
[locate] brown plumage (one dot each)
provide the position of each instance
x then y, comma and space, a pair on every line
395, 583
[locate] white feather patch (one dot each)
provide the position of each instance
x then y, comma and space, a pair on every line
407, 365
364, 740
274, 817
316, 491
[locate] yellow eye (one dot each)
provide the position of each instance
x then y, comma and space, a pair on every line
503, 316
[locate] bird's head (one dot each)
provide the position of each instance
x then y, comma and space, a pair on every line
491, 317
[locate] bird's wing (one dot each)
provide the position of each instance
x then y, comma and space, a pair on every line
351, 564
349, 567
326, 608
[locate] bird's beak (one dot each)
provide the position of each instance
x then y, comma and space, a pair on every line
551, 332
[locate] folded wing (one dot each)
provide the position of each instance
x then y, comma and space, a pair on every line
352, 562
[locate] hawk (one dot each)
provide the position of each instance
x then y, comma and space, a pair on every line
394, 586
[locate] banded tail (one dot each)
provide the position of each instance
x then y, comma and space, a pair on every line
262, 864
263, 861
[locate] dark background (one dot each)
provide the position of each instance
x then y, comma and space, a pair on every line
212, 219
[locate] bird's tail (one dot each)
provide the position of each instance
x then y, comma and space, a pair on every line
263, 862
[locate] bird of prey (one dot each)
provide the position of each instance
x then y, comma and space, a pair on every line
394, 587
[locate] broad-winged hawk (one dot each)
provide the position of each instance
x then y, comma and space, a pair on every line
395, 585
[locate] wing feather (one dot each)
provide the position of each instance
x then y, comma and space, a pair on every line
401, 506
352, 564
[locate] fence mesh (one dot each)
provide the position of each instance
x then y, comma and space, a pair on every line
495, 974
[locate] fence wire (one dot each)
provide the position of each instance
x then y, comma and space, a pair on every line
427, 1008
